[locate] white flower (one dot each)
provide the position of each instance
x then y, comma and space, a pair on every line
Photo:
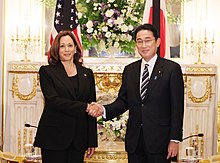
95, 4
104, 29
89, 30
119, 20
95, 32
131, 1
129, 37
134, 18
116, 44
87, 1
124, 28
124, 118
109, 13
109, 22
108, 34
129, 10
117, 38
111, 1
79, 15
130, 27
117, 125
123, 37
89, 24
123, 11
114, 35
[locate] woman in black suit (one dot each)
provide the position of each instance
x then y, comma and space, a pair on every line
65, 129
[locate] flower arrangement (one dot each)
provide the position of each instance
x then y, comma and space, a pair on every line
109, 23
113, 130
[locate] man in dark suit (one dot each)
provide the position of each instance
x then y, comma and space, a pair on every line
154, 97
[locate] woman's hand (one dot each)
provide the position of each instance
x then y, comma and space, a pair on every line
90, 152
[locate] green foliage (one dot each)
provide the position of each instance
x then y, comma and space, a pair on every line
110, 22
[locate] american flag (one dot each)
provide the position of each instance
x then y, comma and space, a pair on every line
65, 18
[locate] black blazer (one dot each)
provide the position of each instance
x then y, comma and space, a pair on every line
161, 115
64, 119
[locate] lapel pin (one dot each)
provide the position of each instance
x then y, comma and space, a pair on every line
85, 74
160, 73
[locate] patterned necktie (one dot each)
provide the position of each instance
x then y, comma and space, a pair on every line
144, 82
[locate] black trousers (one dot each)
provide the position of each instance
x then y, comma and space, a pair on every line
141, 155
70, 155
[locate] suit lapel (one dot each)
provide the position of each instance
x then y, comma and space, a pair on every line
60, 73
155, 76
136, 78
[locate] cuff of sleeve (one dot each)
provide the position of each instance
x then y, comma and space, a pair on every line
104, 112
175, 141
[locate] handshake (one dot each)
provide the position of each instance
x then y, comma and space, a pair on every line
95, 109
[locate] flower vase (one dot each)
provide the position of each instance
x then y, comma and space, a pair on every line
112, 51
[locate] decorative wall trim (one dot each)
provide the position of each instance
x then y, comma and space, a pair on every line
199, 69
108, 82
15, 89
203, 98
109, 152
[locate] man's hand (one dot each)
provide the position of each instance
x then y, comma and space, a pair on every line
95, 109
172, 149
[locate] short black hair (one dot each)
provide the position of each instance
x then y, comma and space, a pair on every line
146, 26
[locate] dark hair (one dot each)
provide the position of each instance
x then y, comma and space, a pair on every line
149, 27
54, 49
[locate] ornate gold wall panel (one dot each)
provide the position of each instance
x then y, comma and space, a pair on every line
200, 115
206, 94
109, 152
108, 82
15, 88
24, 105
